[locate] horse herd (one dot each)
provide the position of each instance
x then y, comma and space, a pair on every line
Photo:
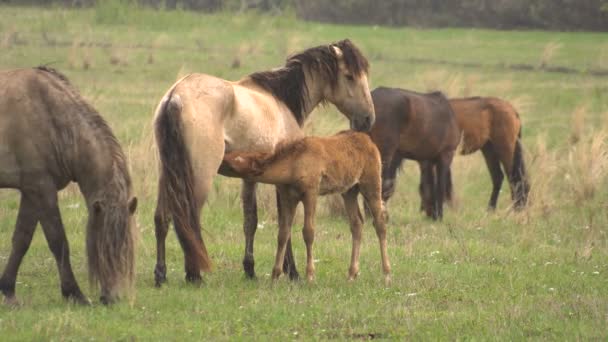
251, 129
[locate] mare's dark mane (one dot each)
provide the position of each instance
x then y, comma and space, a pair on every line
288, 83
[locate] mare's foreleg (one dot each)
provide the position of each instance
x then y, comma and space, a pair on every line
287, 214
356, 224
22, 237
54, 232
493, 163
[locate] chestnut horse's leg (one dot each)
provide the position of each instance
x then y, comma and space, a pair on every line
289, 263
370, 193
443, 170
50, 218
288, 210
493, 164
22, 237
356, 224
308, 232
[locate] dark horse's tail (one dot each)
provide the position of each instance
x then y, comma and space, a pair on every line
176, 185
519, 179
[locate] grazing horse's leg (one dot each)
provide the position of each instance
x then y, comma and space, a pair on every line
356, 224
493, 164
443, 169
308, 232
374, 202
250, 225
50, 218
22, 237
288, 210
289, 264
427, 187
161, 224
390, 165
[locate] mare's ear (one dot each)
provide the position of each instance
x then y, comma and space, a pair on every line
337, 51
132, 205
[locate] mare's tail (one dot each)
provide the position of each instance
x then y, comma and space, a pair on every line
519, 179
177, 184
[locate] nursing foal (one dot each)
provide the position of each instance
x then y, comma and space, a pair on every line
346, 163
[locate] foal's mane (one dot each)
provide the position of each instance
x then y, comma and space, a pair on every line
95, 121
288, 83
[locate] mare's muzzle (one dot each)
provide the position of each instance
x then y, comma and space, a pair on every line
362, 123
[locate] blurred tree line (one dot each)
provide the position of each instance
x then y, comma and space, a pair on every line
500, 14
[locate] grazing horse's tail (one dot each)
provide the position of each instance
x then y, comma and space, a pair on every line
176, 184
519, 179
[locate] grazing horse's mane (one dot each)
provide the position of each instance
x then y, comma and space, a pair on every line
288, 83
94, 121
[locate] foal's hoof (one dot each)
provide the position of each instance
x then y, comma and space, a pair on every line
387, 280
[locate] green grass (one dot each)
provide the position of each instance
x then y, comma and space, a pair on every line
540, 274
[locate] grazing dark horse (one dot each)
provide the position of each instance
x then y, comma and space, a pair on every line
50, 136
493, 126
347, 163
420, 127
201, 117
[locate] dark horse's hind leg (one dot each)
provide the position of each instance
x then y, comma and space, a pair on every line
161, 225
442, 173
427, 187
493, 164
22, 237
58, 243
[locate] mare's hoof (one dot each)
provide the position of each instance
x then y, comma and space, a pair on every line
12, 302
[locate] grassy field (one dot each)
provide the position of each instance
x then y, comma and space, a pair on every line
540, 274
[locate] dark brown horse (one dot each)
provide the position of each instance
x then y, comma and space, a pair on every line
49, 136
420, 127
493, 126
201, 117
347, 163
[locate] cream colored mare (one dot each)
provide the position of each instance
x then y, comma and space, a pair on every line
201, 117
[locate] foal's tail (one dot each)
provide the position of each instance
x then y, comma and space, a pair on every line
519, 179
177, 184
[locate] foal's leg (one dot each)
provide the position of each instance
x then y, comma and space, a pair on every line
22, 237
289, 264
371, 195
310, 206
54, 232
493, 164
161, 224
250, 225
287, 214
356, 224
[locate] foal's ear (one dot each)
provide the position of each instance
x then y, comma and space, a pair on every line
337, 51
132, 205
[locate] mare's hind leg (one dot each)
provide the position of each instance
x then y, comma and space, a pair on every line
54, 232
372, 198
161, 225
356, 224
493, 164
250, 225
289, 263
22, 237
289, 202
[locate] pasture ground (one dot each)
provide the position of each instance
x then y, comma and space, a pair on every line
540, 274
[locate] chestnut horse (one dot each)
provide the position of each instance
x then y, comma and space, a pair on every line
416, 126
493, 126
50, 136
201, 117
346, 163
